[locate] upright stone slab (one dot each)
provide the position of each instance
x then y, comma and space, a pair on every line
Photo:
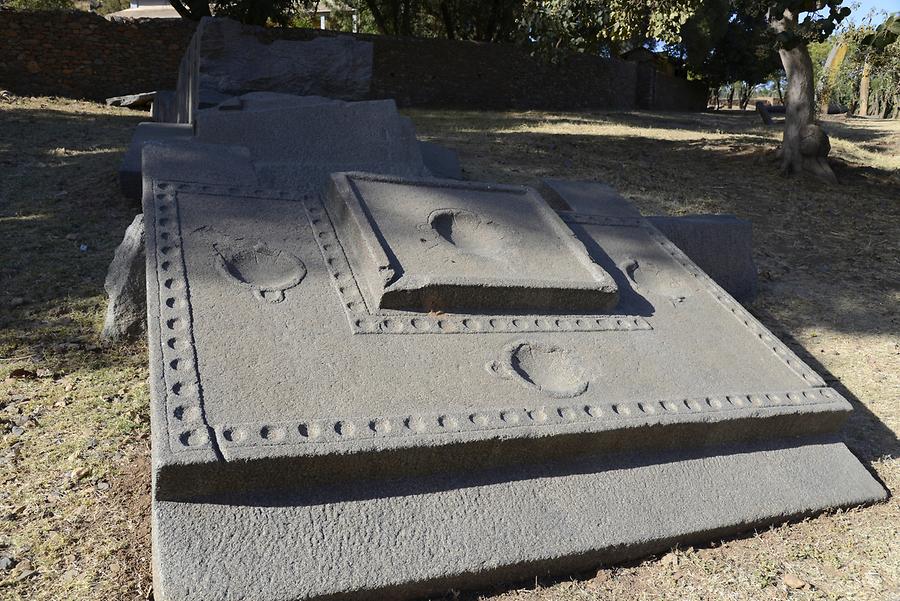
311, 440
227, 58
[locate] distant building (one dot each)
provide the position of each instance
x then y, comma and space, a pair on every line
146, 9
648, 57
327, 8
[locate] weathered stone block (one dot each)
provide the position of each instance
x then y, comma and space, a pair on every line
441, 161
298, 141
228, 58
163, 109
126, 311
721, 245
130, 168
495, 248
292, 413
134, 101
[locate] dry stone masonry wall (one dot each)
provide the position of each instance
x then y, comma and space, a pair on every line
81, 55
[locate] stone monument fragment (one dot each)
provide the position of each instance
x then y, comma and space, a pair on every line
226, 58
301, 424
126, 311
368, 382
130, 168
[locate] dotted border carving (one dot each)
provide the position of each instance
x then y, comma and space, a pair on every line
348, 430
187, 423
778, 348
362, 321
184, 407
786, 355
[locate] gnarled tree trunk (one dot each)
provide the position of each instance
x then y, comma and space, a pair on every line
805, 146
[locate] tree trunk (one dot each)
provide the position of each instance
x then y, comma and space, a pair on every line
805, 145
191, 9
864, 89
778, 87
731, 96
746, 93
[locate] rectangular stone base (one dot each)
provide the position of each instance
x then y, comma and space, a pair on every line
419, 536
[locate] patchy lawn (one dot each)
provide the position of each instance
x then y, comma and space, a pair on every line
74, 500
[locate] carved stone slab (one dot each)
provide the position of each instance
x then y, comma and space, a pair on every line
295, 431
437, 245
256, 359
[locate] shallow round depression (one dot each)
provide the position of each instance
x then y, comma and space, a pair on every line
264, 268
549, 368
469, 233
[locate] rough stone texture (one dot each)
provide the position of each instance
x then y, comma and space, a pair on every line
82, 55
413, 539
130, 168
229, 58
126, 312
79, 54
189, 160
721, 245
134, 101
163, 108
234, 61
297, 141
441, 161
298, 428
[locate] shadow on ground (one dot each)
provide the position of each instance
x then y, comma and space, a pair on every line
61, 218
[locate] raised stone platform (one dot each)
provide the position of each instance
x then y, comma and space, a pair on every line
311, 440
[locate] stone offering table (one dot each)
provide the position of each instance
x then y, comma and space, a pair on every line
402, 386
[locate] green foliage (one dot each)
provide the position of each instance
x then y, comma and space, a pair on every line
820, 18
260, 12
727, 41
603, 25
110, 6
879, 49
884, 35
40, 4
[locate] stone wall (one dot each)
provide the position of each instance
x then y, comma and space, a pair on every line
82, 55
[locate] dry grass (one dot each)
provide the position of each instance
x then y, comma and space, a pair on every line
73, 455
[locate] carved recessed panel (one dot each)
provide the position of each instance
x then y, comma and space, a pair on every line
434, 245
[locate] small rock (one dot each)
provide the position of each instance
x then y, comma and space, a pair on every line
794, 582
17, 301
669, 559
103, 485
72, 237
7, 563
17, 430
